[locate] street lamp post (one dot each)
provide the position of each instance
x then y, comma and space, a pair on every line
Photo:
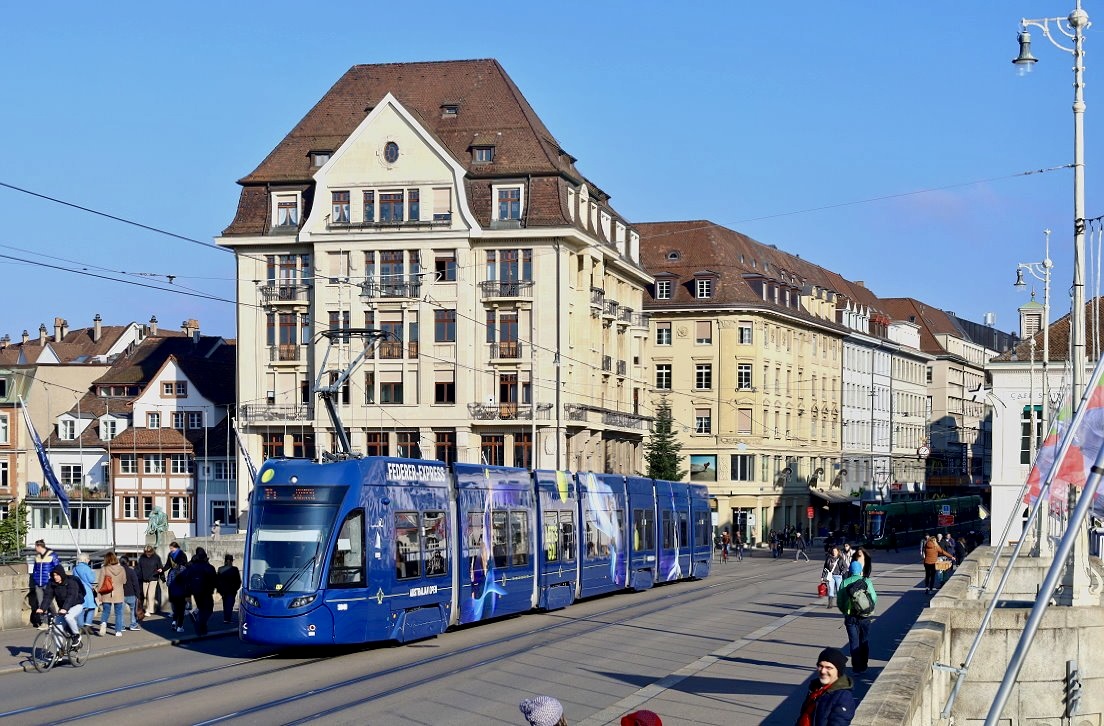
1040, 271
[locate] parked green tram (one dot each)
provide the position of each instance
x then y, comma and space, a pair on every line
913, 520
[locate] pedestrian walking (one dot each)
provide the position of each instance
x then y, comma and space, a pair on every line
932, 552
542, 711
132, 591
726, 541
202, 580
83, 571
45, 560
960, 550
150, 574
229, 582
739, 546
847, 553
799, 548
177, 585
835, 567
828, 698
111, 587
893, 539
861, 554
857, 600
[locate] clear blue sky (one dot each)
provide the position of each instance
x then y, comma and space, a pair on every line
742, 113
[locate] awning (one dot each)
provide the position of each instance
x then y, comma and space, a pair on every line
832, 496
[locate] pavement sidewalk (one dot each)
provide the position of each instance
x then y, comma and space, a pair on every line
15, 644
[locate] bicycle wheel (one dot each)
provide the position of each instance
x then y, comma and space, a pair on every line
79, 656
44, 652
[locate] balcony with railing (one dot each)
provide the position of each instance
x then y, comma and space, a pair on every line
285, 294
607, 364
625, 316
596, 414
597, 297
377, 289
610, 310
641, 320
286, 353
255, 413
395, 349
506, 289
506, 350
622, 368
509, 411
439, 220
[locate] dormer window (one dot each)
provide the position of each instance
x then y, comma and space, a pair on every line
319, 158
663, 289
483, 154
287, 210
450, 110
67, 429
703, 288
674, 256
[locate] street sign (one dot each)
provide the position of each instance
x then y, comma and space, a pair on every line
946, 509
944, 520
809, 512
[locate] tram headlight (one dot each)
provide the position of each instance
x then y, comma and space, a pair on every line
250, 600
302, 601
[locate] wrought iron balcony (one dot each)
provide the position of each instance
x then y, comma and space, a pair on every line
641, 320
597, 297
398, 289
508, 350
625, 316
506, 289
251, 413
276, 294
607, 363
625, 420
610, 310
286, 353
393, 350
622, 367
509, 411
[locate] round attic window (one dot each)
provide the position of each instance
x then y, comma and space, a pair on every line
391, 152
674, 256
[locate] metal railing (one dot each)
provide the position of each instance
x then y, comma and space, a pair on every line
377, 289
607, 363
286, 353
510, 349
506, 288
253, 413
271, 294
509, 411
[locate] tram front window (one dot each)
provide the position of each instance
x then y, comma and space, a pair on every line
875, 525
287, 546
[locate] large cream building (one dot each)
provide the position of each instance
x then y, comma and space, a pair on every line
428, 201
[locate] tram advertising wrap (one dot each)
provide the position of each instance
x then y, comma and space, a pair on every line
376, 548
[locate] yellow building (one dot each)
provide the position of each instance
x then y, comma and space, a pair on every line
746, 349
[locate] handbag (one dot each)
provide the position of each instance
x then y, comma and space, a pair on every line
822, 589
107, 585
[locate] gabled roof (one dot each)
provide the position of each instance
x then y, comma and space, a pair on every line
142, 438
1059, 338
208, 362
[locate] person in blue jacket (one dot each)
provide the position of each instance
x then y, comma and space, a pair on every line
828, 701
83, 572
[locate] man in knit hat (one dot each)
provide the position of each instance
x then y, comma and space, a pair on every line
828, 701
542, 711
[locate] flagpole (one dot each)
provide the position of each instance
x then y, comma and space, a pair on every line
48, 473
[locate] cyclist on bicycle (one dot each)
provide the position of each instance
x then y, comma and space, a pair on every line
68, 593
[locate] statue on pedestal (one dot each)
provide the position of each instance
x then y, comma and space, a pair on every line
158, 523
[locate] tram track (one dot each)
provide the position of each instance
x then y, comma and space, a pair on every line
585, 622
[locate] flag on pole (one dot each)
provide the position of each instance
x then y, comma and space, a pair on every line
1087, 434
47, 470
245, 455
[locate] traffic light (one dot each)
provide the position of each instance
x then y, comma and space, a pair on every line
1073, 688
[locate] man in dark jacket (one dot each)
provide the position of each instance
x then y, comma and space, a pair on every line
828, 700
132, 590
202, 580
229, 582
67, 594
45, 560
149, 575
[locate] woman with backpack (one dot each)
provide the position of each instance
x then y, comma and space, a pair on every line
835, 567
857, 600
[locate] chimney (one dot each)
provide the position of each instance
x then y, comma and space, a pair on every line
97, 328
860, 283
153, 325
42, 334
191, 327
4, 341
26, 337
59, 329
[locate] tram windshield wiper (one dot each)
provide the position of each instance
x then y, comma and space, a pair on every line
298, 573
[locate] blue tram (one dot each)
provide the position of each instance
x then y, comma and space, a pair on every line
377, 548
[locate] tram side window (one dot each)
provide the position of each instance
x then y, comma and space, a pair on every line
591, 535
617, 516
567, 535
501, 534
701, 533
598, 541
668, 531
551, 536
643, 531
519, 537
347, 566
435, 544
408, 555
684, 529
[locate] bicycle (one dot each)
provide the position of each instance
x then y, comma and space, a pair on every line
53, 645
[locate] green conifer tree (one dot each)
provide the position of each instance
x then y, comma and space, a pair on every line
662, 449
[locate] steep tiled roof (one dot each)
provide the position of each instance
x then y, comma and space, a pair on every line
490, 108
195, 357
1059, 338
141, 438
932, 321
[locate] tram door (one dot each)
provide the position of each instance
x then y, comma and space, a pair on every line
345, 593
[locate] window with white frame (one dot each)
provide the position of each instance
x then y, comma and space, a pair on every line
178, 420
743, 420
130, 507
743, 467
4, 431
340, 213
181, 508
71, 474
168, 389
153, 465
4, 477
224, 512
109, 429
663, 376
663, 333
153, 420
180, 463
195, 419
703, 288
181, 388
67, 429
224, 470
744, 334
663, 289
703, 376
703, 421
287, 210
128, 464
703, 332
743, 375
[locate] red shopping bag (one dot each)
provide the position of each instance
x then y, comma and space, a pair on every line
822, 589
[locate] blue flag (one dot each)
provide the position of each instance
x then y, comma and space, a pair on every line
47, 470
